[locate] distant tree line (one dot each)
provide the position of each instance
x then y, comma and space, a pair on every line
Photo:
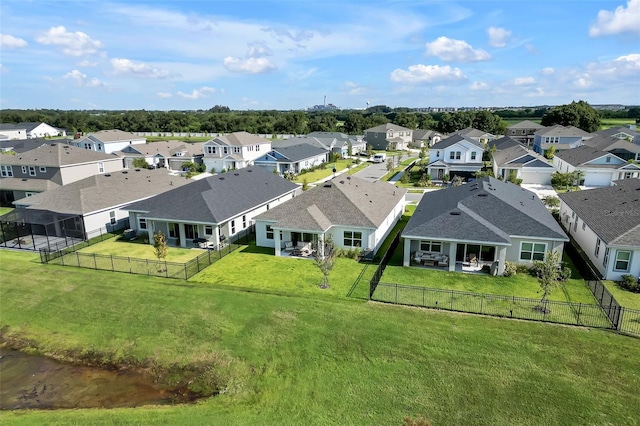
221, 119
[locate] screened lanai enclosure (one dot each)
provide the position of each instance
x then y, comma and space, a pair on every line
28, 229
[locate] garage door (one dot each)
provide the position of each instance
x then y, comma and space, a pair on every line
598, 179
541, 178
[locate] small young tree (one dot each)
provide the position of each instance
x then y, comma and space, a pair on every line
369, 150
551, 201
548, 272
390, 165
305, 184
550, 153
325, 259
456, 181
160, 246
140, 163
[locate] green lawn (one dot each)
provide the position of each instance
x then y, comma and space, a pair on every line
318, 174
615, 122
317, 361
356, 169
5, 210
624, 297
194, 139
140, 250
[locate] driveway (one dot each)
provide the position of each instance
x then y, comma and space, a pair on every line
374, 172
540, 190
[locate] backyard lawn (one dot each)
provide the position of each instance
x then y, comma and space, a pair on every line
318, 174
138, 249
624, 297
283, 360
5, 210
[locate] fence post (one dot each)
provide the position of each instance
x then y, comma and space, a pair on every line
579, 310
396, 293
451, 301
481, 302
166, 269
186, 276
423, 290
112, 268
198, 263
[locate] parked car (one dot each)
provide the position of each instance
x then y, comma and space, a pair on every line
379, 158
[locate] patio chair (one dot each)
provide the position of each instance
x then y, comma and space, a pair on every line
288, 246
473, 258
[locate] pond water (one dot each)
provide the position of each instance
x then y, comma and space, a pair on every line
28, 381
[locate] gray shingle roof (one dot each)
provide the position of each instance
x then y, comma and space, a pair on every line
559, 130
517, 155
103, 191
487, 210
454, 139
504, 143
35, 185
618, 129
613, 213
217, 198
526, 124
609, 143
55, 155
344, 201
581, 155
294, 153
113, 135
470, 132
299, 140
241, 139
164, 148
383, 128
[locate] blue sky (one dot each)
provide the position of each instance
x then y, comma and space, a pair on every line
162, 55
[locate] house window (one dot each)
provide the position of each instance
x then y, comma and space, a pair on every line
208, 230
257, 147
142, 223
43, 170
532, 251
269, 232
32, 170
24, 170
623, 259
244, 221
608, 160
225, 150
233, 227
99, 147
458, 155
30, 194
237, 150
575, 225
452, 155
6, 171
211, 149
101, 167
430, 246
87, 146
112, 217
473, 155
173, 230
597, 252
352, 239
584, 225
605, 260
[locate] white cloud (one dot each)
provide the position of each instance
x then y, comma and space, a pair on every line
479, 85
622, 66
72, 44
353, 88
303, 74
498, 37
138, 69
164, 95
248, 65
547, 71
451, 50
83, 80
203, 92
427, 74
10, 42
523, 81
86, 63
621, 20
583, 82
258, 49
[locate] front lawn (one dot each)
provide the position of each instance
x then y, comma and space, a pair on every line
323, 173
257, 268
624, 297
140, 250
316, 361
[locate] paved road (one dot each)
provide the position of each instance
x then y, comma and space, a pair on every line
372, 173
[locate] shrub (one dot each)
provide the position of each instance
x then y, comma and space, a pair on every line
510, 269
565, 273
486, 269
523, 268
629, 283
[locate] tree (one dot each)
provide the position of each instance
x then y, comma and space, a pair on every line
423, 154
579, 114
577, 176
305, 184
325, 259
550, 153
456, 181
369, 150
160, 246
551, 201
140, 163
390, 165
548, 273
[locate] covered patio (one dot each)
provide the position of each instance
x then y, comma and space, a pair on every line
27, 229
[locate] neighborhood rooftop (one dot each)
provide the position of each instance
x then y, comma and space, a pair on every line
55, 155
580, 155
454, 139
487, 210
613, 213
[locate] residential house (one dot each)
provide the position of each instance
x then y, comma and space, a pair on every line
85, 208
600, 168
11, 131
341, 143
627, 147
389, 137
292, 159
628, 133
211, 210
41, 130
512, 160
167, 154
108, 141
560, 137
484, 222
476, 135
234, 151
425, 138
455, 155
47, 167
605, 223
330, 145
524, 131
355, 213
22, 145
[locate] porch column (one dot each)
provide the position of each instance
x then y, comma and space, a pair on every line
183, 241
276, 241
150, 231
453, 249
502, 258
321, 246
406, 261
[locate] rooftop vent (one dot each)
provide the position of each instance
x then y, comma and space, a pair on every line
342, 182
107, 175
236, 174
221, 178
137, 170
454, 213
124, 172
327, 185
249, 171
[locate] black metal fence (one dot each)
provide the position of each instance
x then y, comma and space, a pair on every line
377, 275
71, 257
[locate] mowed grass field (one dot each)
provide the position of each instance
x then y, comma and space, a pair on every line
299, 359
